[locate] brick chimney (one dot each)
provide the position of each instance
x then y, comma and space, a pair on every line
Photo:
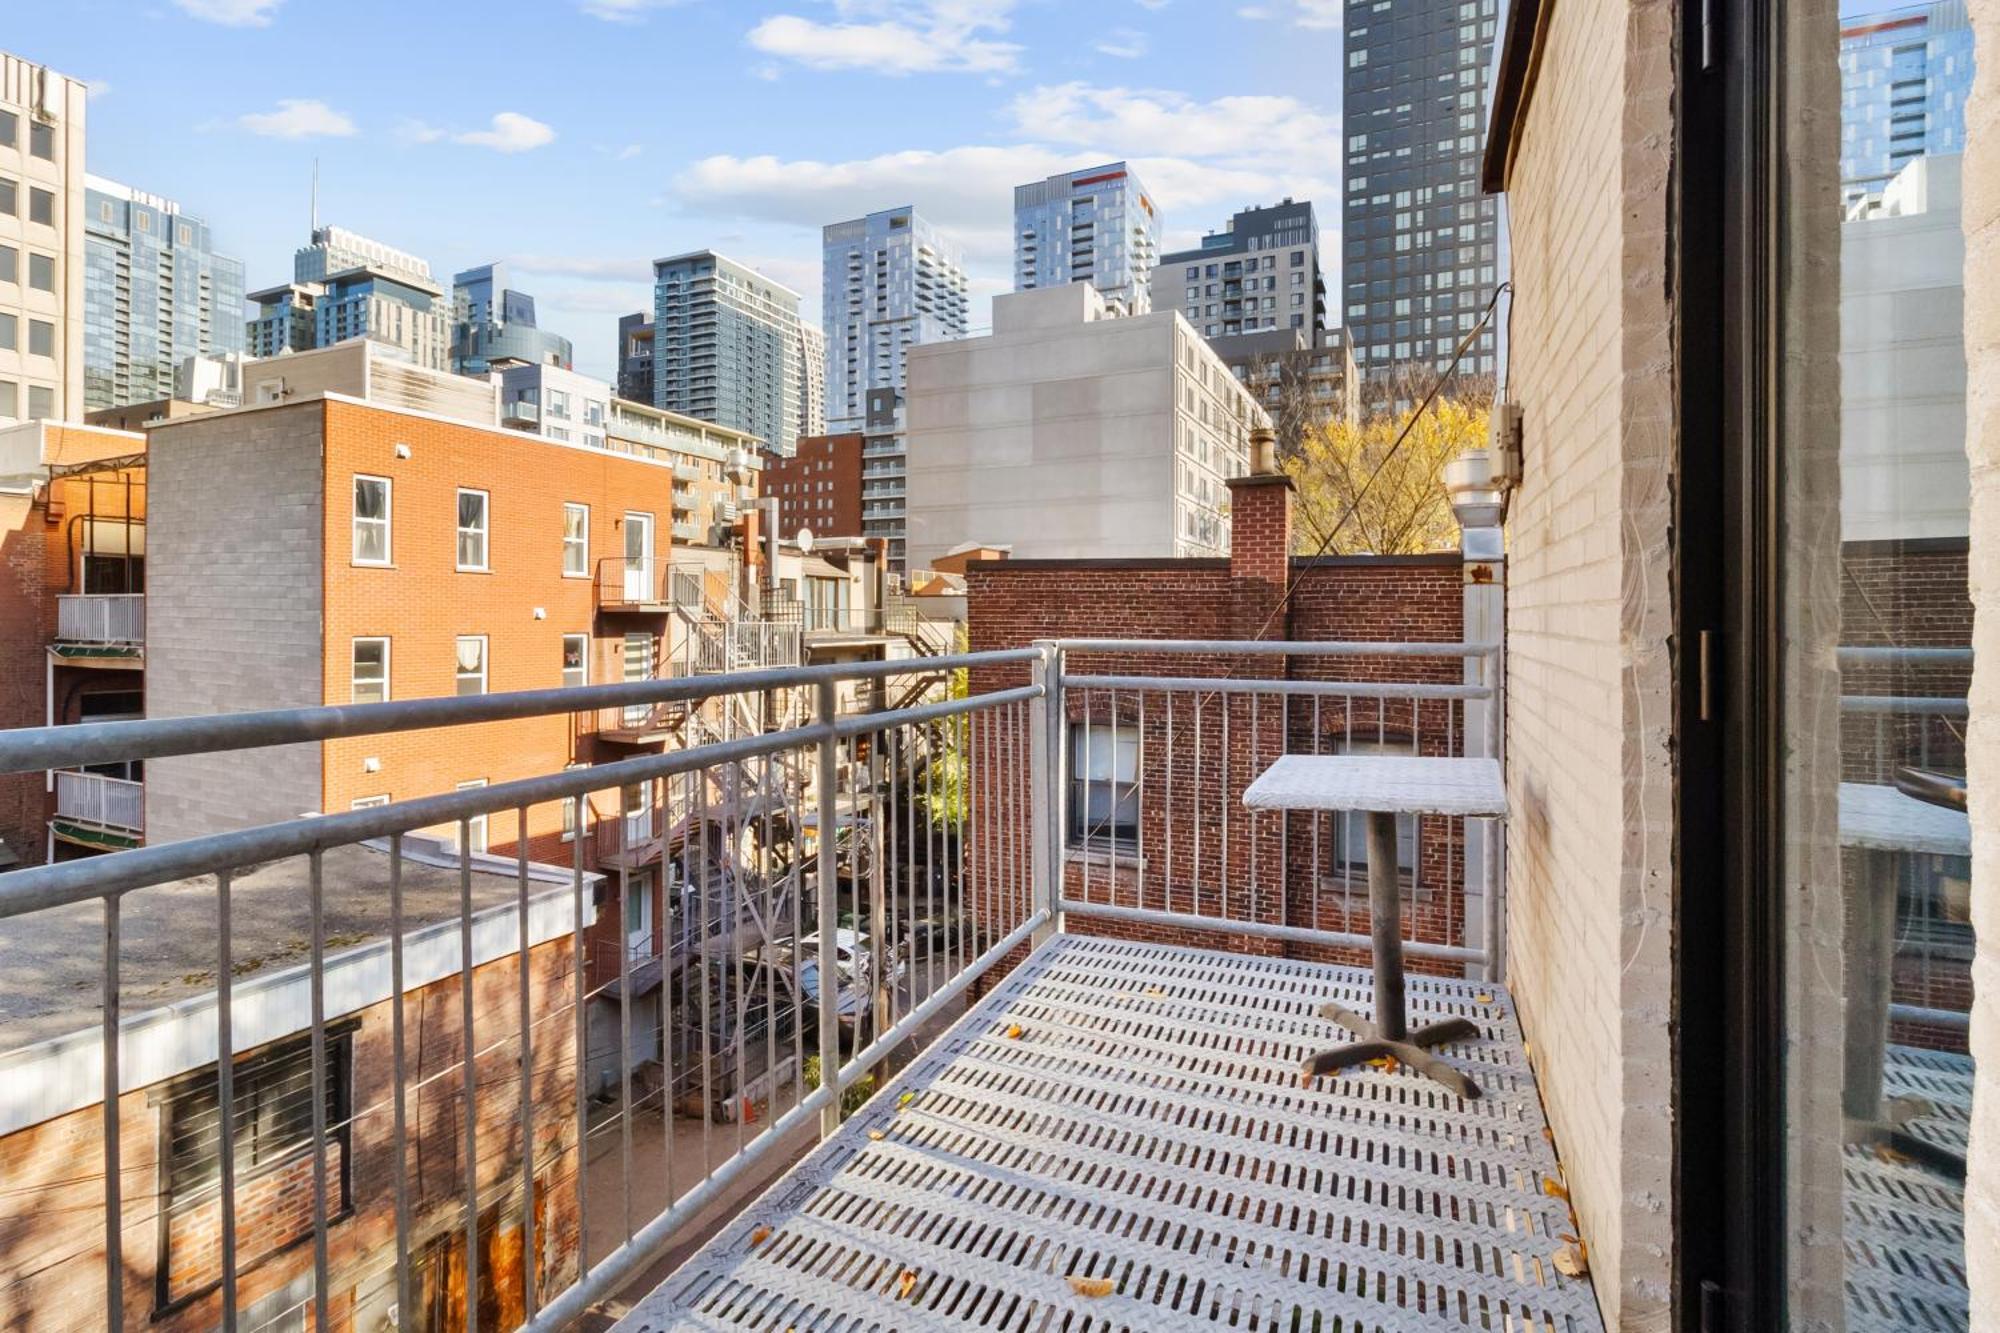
1260, 543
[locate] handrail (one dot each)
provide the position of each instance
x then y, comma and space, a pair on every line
1278, 648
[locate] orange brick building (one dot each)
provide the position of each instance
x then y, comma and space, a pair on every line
72, 624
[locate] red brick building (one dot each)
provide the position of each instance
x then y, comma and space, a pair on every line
1182, 758
819, 487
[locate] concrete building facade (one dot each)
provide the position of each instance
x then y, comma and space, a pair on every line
156, 291
1260, 272
41, 243
1068, 434
1098, 225
891, 281
1905, 74
728, 347
345, 285
1418, 238
635, 357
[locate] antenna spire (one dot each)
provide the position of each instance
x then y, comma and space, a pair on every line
315, 199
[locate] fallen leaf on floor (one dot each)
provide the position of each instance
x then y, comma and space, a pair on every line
1092, 1287
906, 1284
759, 1236
1154, 992
1548, 1134
877, 1135
1013, 1032
1554, 1188
1565, 1236
1570, 1261
906, 1099
1483, 998
1305, 1078
1889, 1156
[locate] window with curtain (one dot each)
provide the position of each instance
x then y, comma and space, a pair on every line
472, 524
1104, 785
471, 664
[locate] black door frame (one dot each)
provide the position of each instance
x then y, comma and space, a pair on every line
1730, 1133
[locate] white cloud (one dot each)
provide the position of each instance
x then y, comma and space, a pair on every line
622, 11
416, 131
1267, 130
298, 118
231, 13
1255, 13
1123, 43
1154, 5
1318, 13
508, 132
896, 37
621, 152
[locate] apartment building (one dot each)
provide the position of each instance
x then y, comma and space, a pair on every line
1069, 434
1098, 226
171, 1243
1260, 272
718, 472
1905, 75
819, 487
812, 380
491, 322
1419, 239
556, 402
41, 243
891, 281
345, 285
72, 628
635, 357
728, 347
156, 291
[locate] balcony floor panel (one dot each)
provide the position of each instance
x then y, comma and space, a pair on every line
1148, 1126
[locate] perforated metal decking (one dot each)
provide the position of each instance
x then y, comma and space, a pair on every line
1148, 1126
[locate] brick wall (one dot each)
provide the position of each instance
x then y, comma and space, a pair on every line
1589, 614
830, 461
52, 1211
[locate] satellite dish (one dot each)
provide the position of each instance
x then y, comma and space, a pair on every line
806, 540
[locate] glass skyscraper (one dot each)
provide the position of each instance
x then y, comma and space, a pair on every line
1905, 72
155, 292
727, 347
493, 322
891, 281
1098, 226
1418, 239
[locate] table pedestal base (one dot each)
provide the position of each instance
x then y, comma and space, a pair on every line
1412, 1050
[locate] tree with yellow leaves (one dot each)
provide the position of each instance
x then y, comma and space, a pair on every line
1376, 497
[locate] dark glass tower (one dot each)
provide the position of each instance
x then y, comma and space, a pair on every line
1418, 240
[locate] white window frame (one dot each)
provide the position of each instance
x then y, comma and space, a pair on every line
353, 677
584, 658
575, 811
639, 943
387, 522
484, 531
476, 827
367, 802
485, 675
581, 543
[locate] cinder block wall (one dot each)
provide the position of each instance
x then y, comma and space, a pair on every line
1589, 610
235, 597
1982, 443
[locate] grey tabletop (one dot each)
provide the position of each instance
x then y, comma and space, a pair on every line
1396, 784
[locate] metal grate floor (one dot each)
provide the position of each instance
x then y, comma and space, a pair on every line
1905, 1226
1148, 1127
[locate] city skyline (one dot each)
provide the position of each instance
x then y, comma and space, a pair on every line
205, 111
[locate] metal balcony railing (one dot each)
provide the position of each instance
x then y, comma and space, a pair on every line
102, 802
109, 619
826, 892
633, 583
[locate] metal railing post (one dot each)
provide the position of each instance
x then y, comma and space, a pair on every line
827, 697
1046, 786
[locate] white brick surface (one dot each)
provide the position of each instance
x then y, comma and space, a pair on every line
1589, 612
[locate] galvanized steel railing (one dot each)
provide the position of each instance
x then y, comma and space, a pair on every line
828, 889
107, 618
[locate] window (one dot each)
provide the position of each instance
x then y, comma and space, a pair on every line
42, 272
42, 140
41, 402
472, 530
369, 682
1350, 829
10, 264
371, 520
367, 802
1104, 785
41, 338
575, 659
10, 198
10, 129
475, 826
639, 913
271, 1105
471, 664
41, 206
576, 541
570, 806
10, 333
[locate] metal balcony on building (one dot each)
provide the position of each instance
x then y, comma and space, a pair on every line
98, 812
100, 629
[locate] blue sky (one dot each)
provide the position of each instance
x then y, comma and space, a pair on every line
580, 139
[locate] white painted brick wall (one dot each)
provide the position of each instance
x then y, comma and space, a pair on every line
1589, 718
234, 598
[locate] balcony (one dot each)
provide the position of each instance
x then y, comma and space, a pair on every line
633, 585
104, 629
521, 413
1152, 1070
98, 812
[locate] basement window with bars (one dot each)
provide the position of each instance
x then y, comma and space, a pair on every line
1104, 787
272, 1110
